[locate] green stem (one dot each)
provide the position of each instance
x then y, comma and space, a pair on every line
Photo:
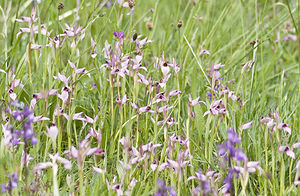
81, 178
112, 104
266, 159
137, 130
179, 184
55, 184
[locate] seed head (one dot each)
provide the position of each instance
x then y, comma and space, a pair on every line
252, 43
288, 26
131, 3
60, 6
180, 24
134, 37
149, 26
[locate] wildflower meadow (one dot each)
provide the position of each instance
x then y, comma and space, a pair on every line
149, 97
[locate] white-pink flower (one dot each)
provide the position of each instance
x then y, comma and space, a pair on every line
246, 126
53, 132
287, 151
64, 96
98, 170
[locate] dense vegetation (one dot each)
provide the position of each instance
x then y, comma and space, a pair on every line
181, 97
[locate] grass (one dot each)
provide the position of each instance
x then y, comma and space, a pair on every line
234, 32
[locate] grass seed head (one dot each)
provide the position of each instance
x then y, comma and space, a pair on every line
131, 3
200, 19
149, 26
180, 24
60, 6
134, 37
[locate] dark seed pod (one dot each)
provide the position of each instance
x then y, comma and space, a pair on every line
149, 26
252, 43
180, 24
131, 3
134, 37
60, 6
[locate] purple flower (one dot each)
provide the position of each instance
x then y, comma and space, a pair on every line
231, 154
163, 190
11, 183
116, 33
34, 141
228, 180
210, 96
228, 147
23, 116
232, 136
119, 34
204, 186
109, 4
